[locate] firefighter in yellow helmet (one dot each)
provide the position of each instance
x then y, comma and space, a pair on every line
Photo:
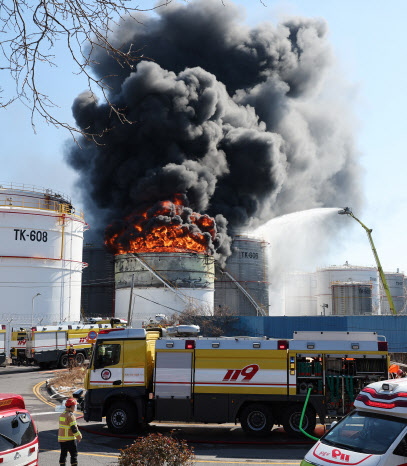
68, 433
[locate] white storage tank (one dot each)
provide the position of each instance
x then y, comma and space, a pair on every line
300, 294
351, 299
164, 283
41, 239
346, 274
242, 287
395, 282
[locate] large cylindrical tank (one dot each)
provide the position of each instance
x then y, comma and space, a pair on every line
248, 267
351, 299
395, 282
98, 282
164, 283
41, 238
300, 294
329, 276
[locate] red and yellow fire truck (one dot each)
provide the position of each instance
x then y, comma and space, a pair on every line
18, 434
48, 345
137, 376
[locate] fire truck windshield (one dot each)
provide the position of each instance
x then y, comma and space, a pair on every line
365, 433
16, 430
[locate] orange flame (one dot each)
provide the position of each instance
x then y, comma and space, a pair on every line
166, 227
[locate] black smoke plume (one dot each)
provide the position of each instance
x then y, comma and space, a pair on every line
237, 120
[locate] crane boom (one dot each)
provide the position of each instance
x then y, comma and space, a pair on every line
379, 266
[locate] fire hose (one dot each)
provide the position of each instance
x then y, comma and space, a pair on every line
302, 417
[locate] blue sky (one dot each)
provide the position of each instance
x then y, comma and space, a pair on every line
368, 40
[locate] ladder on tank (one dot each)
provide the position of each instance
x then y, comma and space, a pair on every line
260, 311
163, 280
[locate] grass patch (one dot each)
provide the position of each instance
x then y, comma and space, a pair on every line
67, 382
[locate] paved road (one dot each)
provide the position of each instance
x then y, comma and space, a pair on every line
101, 450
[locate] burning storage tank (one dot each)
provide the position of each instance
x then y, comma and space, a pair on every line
41, 256
242, 286
164, 283
164, 262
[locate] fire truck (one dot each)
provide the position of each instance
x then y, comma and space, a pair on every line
17, 346
2, 344
48, 345
138, 376
19, 339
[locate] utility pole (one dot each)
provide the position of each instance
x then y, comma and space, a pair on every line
130, 301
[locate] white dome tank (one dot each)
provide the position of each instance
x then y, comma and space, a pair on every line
299, 294
345, 274
41, 239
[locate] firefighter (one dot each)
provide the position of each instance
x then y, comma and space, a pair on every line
71, 356
68, 433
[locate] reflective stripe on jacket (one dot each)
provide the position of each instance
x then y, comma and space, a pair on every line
68, 430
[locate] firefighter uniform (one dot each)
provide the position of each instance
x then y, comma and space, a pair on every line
68, 434
71, 356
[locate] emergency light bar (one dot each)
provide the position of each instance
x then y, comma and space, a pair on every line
108, 330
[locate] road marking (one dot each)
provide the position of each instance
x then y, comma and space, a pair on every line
248, 462
195, 461
36, 391
42, 414
83, 454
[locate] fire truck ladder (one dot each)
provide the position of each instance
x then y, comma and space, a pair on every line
260, 311
163, 280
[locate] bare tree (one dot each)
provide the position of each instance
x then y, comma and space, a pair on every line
222, 322
29, 31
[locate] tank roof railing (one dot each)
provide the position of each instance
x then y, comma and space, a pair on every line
30, 188
60, 207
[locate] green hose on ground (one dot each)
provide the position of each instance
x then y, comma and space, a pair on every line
302, 417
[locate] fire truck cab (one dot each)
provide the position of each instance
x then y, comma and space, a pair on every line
136, 376
2, 344
18, 434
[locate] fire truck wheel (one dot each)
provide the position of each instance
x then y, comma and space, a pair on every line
80, 359
256, 419
120, 417
63, 362
292, 417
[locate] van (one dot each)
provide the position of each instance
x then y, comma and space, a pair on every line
374, 433
18, 434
